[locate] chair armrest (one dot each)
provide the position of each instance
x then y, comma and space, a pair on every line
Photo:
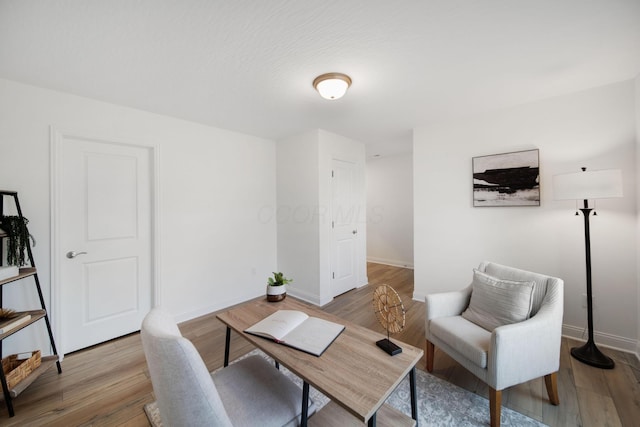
446, 304
526, 350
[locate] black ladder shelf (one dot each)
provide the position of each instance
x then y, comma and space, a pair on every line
36, 315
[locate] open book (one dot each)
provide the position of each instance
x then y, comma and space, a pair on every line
298, 330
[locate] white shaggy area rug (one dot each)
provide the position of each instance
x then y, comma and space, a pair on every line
440, 404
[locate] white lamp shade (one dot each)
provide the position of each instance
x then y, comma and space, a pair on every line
585, 185
332, 85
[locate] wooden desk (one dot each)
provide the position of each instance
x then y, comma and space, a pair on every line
353, 372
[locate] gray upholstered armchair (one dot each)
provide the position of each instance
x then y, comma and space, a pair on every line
248, 392
505, 328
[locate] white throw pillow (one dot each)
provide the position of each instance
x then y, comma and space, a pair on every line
496, 302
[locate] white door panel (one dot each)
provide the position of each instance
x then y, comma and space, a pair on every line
110, 289
104, 215
344, 215
112, 204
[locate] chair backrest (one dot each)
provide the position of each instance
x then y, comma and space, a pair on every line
541, 282
184, 390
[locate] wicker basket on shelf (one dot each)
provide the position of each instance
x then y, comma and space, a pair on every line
15, 370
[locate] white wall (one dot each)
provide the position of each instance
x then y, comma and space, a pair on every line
390, 210
333, 146
298, 214
596, 129
216, 248
304, 208
637, 105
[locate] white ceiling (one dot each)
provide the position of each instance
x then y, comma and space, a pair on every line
248, 65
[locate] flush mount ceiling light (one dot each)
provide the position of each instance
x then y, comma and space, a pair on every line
332, 85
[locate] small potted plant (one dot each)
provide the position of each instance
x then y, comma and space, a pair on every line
276, 289
18, 233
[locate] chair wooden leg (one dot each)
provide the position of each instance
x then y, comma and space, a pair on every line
495, 403
551, 382
430, 348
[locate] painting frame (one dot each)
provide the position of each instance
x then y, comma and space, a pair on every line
506, 179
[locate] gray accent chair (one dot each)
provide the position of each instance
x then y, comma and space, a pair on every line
510, 354
248, 392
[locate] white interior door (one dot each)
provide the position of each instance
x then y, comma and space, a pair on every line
104, 239
344, 215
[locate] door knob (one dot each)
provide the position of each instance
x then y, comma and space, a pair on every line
354, 232
73, 254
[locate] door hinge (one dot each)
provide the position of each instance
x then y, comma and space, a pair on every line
334, 275
333, 225
331, 174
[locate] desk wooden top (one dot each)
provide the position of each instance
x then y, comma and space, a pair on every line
352, 372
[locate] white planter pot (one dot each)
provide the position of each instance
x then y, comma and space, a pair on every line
276, 293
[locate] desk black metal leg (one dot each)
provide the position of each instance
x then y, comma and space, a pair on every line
305, 404
372, 421
414, 402
227, 344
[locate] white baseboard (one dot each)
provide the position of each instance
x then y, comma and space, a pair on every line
603, 340
306, 296
222, 304
391, 262
418, 297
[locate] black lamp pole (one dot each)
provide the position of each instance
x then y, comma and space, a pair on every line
589, 353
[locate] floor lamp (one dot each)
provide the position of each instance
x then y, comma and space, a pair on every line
587, 186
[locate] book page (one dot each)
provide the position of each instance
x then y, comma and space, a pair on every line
278, 324
313, 336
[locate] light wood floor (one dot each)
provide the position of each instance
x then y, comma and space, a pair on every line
107, 385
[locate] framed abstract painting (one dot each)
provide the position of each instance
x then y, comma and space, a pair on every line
508, 179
